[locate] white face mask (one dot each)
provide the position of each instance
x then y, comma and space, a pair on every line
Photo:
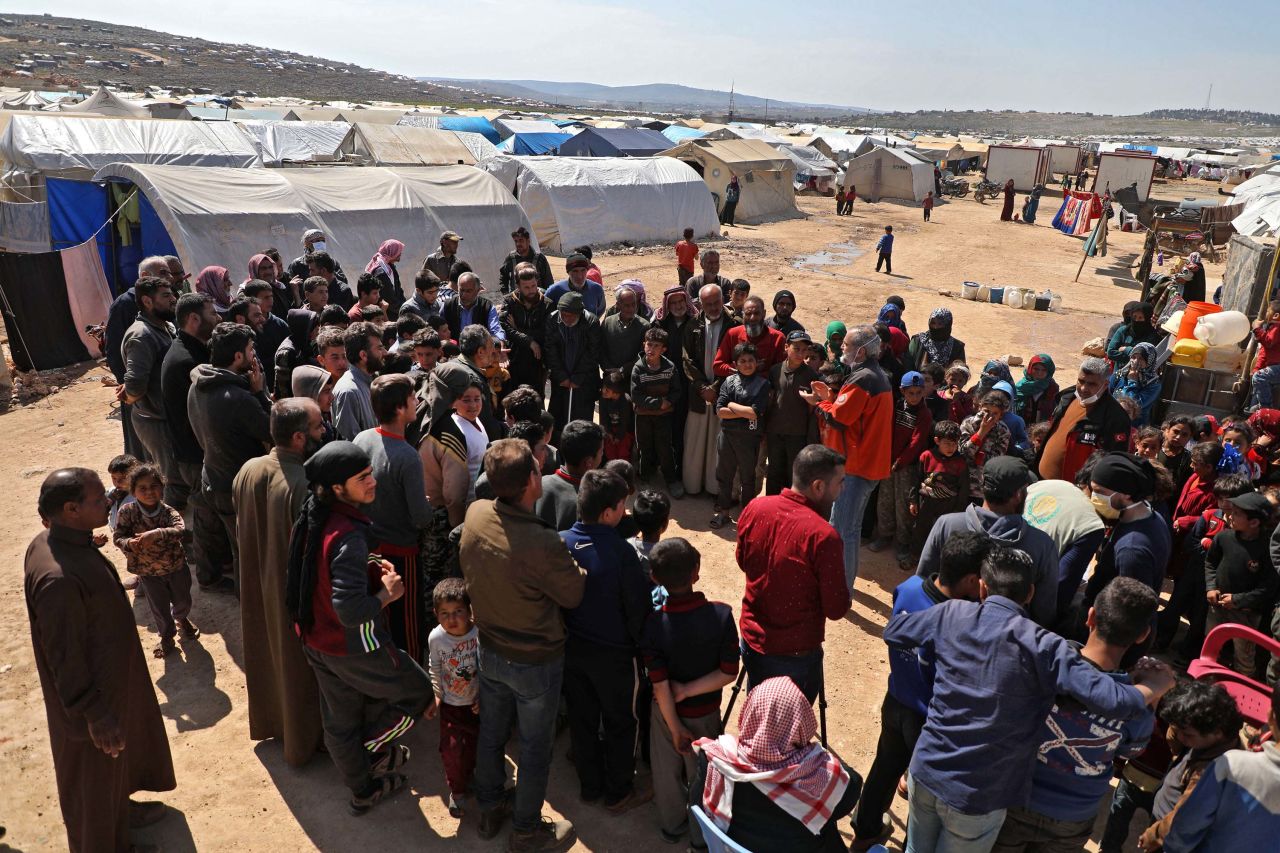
1088, 401
319, 246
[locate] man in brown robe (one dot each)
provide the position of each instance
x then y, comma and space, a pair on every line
284, 701
105, 728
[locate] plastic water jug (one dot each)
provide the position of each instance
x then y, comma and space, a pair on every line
997, 295
969, 290
1189, 353
1226, 358
1013, 297
1223, 328
1055, 301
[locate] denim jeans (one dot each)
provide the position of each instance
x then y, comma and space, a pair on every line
527, 695
1125, 802
1263, 381
846, 518
935, 827
804, 669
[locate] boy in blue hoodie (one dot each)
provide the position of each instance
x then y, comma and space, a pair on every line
601, 672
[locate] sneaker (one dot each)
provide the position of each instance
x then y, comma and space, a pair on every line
491, 820
635, 797
676, 490
457, 805
549, 836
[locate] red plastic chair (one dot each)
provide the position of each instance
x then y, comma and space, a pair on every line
1251, 697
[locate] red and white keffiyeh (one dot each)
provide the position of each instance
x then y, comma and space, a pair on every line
776, 752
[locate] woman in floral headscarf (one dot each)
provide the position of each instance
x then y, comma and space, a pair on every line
1036, 391
936, 345
383, 267
772, 786
215, 282
1140, 380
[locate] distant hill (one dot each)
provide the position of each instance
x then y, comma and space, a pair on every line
1244, 117
73, 52
656, 97
1159, 124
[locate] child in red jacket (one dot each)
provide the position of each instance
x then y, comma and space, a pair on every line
1266, 368
1197, 495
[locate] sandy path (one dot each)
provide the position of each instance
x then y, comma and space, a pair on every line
236, 795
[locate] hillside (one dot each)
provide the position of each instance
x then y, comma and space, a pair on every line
72, 52
1160, 124
648, 97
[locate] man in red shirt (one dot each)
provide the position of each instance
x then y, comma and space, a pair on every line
686, 254
794, 562
770, 344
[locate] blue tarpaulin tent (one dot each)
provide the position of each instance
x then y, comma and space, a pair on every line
615, 142
677, 133
533, 143
471, 124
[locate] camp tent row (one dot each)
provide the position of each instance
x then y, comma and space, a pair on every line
889, 173
765, 175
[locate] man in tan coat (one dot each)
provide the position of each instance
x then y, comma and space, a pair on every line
284, 701
105, 728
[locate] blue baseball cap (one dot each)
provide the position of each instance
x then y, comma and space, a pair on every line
912, 379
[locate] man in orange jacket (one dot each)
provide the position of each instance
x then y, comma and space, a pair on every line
859, 425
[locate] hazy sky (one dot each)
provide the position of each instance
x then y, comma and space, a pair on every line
1117, 56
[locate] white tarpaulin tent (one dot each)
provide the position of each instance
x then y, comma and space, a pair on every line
889, 173
104, 102
1117, 170
841, 147
217, 215
76, 148
766, 176
1064, 159
477, 143
401, 145
1026, 166
573, 201
283, 142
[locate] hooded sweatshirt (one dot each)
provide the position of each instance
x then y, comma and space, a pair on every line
295, 350
231, 423
1008, 530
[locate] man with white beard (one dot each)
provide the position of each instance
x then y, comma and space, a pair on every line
675, 317
702, 339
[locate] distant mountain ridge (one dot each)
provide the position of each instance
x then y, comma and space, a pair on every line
647, 96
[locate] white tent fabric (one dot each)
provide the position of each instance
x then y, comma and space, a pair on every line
573, 201
841, 147
1262, 184
809, 161
510, 126
222, 216
889, 173
477, 143
401, 145
765, 175
107, 103
1261, 215
30, 100
281, 142
76, 148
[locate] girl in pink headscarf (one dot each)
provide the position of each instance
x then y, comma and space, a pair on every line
215, 282
383, 267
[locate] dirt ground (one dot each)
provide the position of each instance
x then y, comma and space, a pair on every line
234, 794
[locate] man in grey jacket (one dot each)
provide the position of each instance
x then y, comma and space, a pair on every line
1004, 492
143, 349
352, 409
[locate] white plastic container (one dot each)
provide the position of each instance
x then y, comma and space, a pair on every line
1227, 358
984, 293
969, 290
1055, 301
1014, 296
1222, 328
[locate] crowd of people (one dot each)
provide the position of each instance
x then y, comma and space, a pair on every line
433, 504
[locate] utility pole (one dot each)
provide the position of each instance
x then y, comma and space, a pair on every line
730, 121
766, 110
1208, 98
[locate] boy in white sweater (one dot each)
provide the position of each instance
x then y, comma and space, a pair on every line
454, 666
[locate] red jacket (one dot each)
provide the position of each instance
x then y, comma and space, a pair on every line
912, 433
771, 349
794, 562
859, 422
1268, 335
1197, 496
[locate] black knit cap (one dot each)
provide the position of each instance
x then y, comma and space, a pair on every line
1125, 473
335, 463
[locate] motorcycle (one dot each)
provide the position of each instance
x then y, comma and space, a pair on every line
953, 186
987, 189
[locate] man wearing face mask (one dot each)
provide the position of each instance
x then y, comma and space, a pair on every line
1087, 419
859, 425
1139, 541
312, 241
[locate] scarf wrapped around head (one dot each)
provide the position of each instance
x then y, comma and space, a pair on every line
775, 751
1149, 373
995, 371
835, 327
255, 263
691, 309
938, 351
1029, 389
637, 287
898, 341
388, 253
212, 281
888, 314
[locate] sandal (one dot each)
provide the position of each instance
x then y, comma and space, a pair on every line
719, 520
187, 629
391, 760
166, 648
384, 787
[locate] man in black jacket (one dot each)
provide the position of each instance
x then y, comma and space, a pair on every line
120, 316
524, 253
143, 347
573, 358
230, 416
470, 307
523, 316
196, 320
274, 331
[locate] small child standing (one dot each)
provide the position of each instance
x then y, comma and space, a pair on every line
1238, 577
884, 250
655, 390
151, 535
119, 495
1147, 441
616, 417
454, 667
743, 398
927, 205
942, 484
1266, 367
1239, 435
912, 429
985, 438
652, 514
962, 402
691, 651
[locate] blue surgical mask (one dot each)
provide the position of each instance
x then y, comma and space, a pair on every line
319, 246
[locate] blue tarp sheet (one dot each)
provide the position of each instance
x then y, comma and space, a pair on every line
471, 124
533, 143
76, 210
676, 133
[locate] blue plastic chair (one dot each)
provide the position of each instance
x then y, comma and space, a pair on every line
717, 841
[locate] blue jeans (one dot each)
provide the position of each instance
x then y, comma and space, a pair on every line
528, 695
935, 827
1263, 381
804, 669
846, 518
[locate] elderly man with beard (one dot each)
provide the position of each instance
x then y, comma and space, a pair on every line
858, 422
144, 347
352, 410
702, 427
710, 263
675, 317
576, 267
469, 307
268, 494
770, 344
622, 334
523, 316
524, 254
573, 344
